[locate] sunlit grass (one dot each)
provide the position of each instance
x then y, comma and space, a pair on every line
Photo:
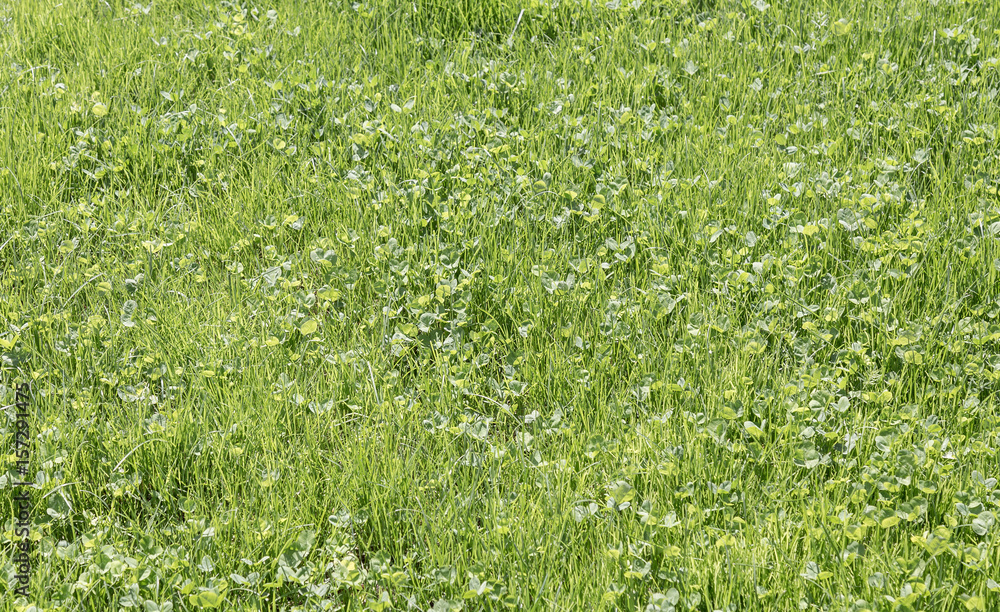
431, 305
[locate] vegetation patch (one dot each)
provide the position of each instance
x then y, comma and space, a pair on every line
569, 305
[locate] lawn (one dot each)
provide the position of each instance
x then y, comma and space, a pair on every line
542, 305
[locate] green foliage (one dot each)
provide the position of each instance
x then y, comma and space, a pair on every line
573, 305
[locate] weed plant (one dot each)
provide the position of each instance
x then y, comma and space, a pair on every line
546, 305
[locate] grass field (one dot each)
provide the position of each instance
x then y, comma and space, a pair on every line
436, 305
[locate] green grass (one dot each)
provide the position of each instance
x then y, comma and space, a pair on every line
541, 305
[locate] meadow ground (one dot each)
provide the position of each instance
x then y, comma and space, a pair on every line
436, 305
